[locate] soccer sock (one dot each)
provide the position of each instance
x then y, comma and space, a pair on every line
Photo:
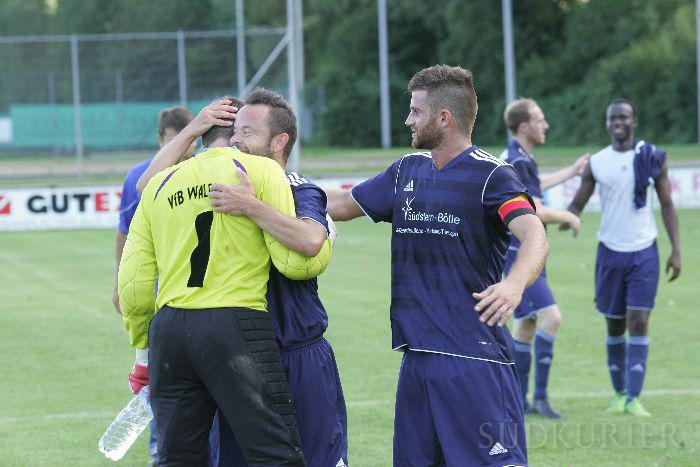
637, 352
544, 344
617, 354
522, 365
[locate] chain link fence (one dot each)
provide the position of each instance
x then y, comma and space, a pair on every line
71, 103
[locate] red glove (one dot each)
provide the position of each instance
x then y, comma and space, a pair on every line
138, 378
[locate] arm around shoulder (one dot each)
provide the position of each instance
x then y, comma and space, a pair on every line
342, 206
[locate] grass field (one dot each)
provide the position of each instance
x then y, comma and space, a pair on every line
23, 170
66, 353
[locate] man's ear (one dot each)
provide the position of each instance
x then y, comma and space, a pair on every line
279, 142
159, 138
444, 118
522, 127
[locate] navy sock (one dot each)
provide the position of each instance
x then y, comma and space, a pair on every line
544, 344
637, 352
522, 365
617, 354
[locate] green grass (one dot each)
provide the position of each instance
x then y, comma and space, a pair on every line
31, 170
66, 353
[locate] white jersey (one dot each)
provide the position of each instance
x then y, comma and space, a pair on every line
622, 226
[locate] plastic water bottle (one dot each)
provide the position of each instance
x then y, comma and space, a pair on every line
129, 424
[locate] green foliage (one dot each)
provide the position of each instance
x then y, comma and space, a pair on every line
573, 56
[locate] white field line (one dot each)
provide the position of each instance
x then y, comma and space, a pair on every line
357, 404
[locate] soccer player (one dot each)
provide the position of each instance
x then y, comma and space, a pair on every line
212, 343
627, 262
170, 122
266, 126
537, 315
458, 398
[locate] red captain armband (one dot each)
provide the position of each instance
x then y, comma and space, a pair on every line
513, 208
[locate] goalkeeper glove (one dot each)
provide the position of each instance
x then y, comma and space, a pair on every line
138, 378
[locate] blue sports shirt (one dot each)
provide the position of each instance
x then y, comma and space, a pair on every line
448, 241
130, 197
526, 167
295, 307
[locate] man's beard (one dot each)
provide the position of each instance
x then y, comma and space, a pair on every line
429, 137
262, 151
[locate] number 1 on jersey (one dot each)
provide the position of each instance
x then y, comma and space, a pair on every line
199, 260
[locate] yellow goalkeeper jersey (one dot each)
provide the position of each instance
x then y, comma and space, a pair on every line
201, 258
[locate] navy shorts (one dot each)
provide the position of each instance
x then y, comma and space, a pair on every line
315, 387
625, 281
454, 411
538, 297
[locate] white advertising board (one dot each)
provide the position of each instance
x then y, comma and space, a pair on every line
98, 206
60, 208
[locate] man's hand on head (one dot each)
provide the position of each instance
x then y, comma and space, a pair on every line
220, 112
237, 200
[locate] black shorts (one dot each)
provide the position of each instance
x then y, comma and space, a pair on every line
225, 358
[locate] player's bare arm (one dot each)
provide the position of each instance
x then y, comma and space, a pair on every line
118, 251
584, 193
497, 303
670, 217
554, 216
555, 178
304, 236
171, 153
342, 206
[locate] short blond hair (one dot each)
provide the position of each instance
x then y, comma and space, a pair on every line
517, 112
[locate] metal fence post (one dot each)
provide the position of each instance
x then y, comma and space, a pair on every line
384, 101
240, 48
77, 119
182, 67
51, 97
293, 164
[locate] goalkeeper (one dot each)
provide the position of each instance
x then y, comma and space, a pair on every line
267, 127
212, 343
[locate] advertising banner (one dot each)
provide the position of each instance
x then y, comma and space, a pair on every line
98, 206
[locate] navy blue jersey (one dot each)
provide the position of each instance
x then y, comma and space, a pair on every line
297, 311
529, 174
130, 196
448, 241
526, 167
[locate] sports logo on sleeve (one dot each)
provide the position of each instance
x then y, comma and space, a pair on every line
295, 179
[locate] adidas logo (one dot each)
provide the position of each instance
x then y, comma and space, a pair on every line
638, 367
409, 187
545, 361
295, 179
614, 367
497, 449
341, 463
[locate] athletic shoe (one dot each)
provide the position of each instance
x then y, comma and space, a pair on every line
529, 409
617, 405
634, 407
544, 408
